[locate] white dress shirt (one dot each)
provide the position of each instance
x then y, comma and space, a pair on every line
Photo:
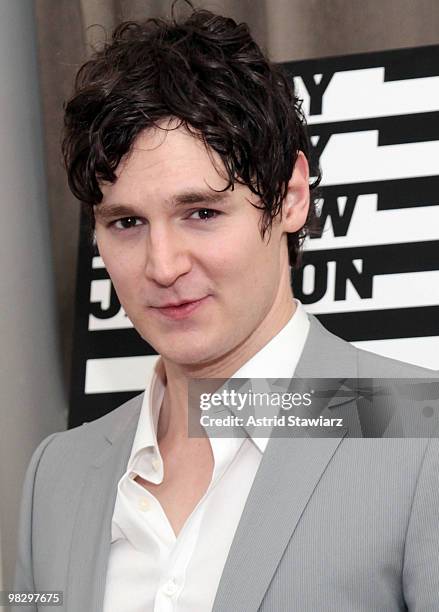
149, 568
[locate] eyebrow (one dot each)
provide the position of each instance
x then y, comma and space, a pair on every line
107, 211
197, 197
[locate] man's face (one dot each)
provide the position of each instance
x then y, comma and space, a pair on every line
167, 237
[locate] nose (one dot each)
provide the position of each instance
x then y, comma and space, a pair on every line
167, 257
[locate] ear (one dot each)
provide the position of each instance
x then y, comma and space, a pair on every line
296, 203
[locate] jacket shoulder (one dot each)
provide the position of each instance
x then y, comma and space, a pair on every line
365, 363
81, 444
371, 364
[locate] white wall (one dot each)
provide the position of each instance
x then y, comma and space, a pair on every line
32, 400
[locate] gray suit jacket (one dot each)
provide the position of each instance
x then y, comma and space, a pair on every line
331, 524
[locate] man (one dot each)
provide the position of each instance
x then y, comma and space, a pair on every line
190, 150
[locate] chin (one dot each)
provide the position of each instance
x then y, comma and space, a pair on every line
187, 355
186, 348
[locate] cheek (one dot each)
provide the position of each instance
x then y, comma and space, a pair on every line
258, 258
261, 277
119, 280
236, 251
245, 269
123, 270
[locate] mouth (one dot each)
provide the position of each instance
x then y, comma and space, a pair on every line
180, 310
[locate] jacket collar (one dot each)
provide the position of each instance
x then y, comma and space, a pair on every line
91, 537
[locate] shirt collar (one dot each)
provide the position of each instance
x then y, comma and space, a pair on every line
277, 359
146, 433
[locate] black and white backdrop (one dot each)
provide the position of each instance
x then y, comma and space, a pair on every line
372, 277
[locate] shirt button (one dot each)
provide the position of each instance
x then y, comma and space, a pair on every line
156, 464
144, 504
170, 588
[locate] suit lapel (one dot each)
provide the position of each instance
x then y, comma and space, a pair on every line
287, 477
91, 544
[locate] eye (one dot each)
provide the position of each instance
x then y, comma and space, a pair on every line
204, 214
127, 223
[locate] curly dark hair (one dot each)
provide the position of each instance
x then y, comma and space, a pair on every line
209, 73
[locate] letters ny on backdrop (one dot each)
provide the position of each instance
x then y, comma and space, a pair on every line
372, 276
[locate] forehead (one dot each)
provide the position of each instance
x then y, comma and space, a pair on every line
162, 161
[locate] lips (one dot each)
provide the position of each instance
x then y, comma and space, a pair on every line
177, 304
180, 310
